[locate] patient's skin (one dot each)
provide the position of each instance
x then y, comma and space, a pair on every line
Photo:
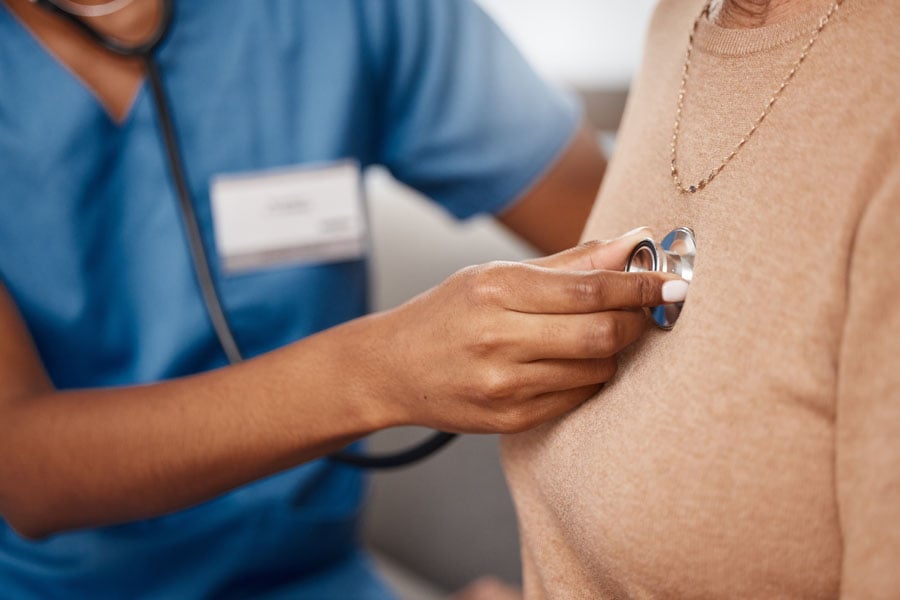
745, 14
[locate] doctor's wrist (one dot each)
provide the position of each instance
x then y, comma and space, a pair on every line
361, 366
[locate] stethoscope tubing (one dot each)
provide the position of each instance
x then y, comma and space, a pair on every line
203, 272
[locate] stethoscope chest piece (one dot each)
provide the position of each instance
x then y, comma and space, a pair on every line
675, 254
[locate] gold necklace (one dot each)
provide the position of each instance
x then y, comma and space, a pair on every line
676, 178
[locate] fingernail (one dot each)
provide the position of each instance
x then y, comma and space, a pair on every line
674, 291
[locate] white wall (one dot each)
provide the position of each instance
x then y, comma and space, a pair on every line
587, 44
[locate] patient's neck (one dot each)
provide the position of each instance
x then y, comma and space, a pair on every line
746, 14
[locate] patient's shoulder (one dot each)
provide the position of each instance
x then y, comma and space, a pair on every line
677, 9
674, 15
671, 21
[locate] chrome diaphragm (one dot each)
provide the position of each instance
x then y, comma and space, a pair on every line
675, 254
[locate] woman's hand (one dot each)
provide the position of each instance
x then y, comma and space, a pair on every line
505, 346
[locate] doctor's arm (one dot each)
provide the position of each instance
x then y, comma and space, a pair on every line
500, 347
552, 214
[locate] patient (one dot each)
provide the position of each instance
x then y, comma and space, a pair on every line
754, 450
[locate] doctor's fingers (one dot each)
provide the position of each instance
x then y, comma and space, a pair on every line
536, 290
543, 377
596, 254
545, 407
581, 336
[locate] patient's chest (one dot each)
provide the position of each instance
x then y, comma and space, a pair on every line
708, 462
705, 469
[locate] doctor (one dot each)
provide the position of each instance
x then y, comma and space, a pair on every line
135, 463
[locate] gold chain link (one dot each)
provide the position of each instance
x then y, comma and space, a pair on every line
676, 178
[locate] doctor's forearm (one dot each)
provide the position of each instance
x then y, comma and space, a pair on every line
496, 348
95, 457
552, 215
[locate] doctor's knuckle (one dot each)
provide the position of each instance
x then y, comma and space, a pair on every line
497, 384
486, 284
646, 290
604, 337
486, 341
587, 291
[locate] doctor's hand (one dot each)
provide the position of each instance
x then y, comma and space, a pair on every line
504, 346
501, 347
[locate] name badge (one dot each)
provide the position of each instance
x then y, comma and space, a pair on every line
308, 214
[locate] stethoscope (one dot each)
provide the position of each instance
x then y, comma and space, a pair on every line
675, 254
74, 13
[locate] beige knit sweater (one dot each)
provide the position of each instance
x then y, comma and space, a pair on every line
753, 451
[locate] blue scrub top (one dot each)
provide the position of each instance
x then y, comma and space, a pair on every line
93, 250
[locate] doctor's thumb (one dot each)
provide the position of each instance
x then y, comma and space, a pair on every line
596, 255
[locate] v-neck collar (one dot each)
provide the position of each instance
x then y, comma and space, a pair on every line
46, 54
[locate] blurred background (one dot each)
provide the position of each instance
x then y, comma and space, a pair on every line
439, 525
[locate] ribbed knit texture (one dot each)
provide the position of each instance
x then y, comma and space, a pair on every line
753, 451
